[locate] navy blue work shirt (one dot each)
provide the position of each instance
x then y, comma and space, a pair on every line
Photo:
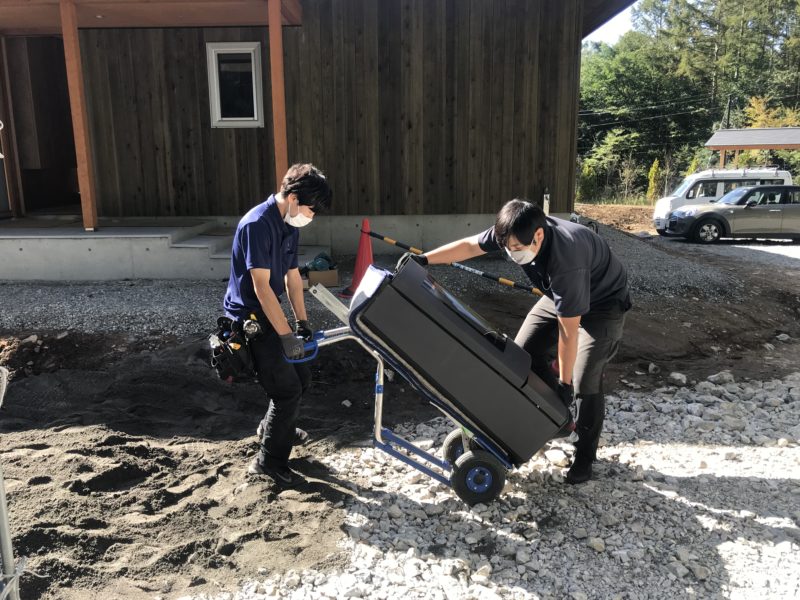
262, 241
575, 268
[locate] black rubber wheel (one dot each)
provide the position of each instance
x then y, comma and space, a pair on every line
478, 477
453, 446
707, 231
662, 232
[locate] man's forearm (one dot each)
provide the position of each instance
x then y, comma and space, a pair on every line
294, 287
272, 308
567, 347
567, 354
455, 251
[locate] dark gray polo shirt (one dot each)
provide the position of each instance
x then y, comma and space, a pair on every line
575, 268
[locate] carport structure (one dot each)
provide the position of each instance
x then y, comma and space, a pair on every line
756, 138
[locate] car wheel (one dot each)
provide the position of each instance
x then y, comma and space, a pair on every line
662, 232
707, 231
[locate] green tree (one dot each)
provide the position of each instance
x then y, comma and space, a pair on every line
654, 181
688, 68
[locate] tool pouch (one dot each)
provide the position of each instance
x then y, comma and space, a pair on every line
230, 352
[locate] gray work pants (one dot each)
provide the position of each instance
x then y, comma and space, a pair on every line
599, 338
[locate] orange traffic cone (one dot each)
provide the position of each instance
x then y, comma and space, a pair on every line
363, 259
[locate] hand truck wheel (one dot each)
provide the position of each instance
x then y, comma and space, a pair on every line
453, 445
478, 477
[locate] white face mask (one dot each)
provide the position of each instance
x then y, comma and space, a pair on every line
521, 257
298, 220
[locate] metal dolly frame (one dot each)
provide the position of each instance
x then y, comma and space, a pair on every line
386, 440
9, 574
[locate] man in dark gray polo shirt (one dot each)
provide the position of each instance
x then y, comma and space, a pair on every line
582, 311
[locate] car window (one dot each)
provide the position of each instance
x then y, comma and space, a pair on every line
734, 196
703, 189
732, 184
678, 191
791, 197
771, 181
765, 197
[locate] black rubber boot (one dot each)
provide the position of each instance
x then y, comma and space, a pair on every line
591, 409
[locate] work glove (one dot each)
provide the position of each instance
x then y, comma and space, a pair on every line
420, 259
566, 393
292, 346
303, 329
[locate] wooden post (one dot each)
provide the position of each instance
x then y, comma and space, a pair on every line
722, 156
8, 139
736, 158
278, 92
80, 123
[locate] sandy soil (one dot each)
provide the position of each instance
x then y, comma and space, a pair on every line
125, 458
632, 219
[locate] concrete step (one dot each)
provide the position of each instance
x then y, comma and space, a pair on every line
185, 233
218, 247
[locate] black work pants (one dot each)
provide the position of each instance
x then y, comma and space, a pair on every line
284, 384
599, 338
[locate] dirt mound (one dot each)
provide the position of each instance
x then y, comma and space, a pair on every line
632, 219
136, 474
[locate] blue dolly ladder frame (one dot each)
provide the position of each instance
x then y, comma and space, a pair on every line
388, 441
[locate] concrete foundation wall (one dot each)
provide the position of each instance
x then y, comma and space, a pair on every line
142, 253
97, 259
425, 232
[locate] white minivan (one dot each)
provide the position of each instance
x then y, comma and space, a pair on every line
704, 186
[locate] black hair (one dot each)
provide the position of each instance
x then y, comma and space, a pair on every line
309, 184
520, 218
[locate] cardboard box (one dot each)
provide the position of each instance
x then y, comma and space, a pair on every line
328, 278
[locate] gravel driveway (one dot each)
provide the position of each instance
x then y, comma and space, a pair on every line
191, 307
697, 488
781, 254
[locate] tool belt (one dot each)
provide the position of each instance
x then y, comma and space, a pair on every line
230, 352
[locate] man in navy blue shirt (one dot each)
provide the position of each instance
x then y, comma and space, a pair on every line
263, 266
582, 310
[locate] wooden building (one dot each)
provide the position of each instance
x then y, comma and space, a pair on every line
177, 108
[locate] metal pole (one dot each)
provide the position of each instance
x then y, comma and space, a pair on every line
5, 546
6, 551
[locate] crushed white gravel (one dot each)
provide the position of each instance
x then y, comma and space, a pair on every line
182, 308
695, 496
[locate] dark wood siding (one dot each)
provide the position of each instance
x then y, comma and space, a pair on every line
409, 106
155, 151
436, 106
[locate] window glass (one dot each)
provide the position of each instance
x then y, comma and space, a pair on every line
771, 181
703, 189
679, 191
765, 197
234, 84
732, 184
236, 99
793, 197
734, 196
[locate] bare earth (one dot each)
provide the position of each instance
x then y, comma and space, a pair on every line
125, 460
632, 219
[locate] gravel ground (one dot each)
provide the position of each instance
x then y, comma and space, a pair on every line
192, 307
772, 253
696, 497
696, 493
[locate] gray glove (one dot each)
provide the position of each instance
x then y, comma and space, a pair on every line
420, 259
566, 393
303, 329
292, 346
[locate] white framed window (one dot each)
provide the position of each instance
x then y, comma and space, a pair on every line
234, 84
